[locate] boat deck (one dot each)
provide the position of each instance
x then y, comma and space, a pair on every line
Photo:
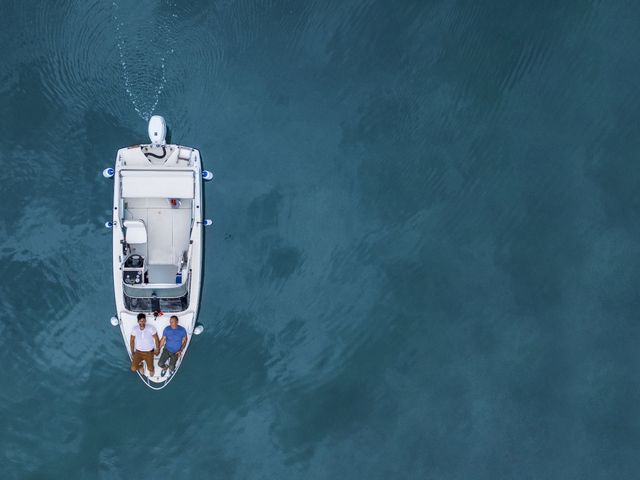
186, 319
168, 230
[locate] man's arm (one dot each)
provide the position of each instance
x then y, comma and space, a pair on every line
184, 342
155, 339
132, 342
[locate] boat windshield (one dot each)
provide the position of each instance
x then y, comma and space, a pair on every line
159, 291
167, 305
167, 299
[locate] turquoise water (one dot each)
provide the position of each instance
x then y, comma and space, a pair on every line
424, 259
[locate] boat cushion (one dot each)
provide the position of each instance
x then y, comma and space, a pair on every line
136, 231
157, 184
185, 153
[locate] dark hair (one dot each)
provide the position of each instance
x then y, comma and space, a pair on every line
142, 316
173, 316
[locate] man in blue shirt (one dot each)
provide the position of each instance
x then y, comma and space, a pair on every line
174, 339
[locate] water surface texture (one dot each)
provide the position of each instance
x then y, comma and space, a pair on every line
424, 262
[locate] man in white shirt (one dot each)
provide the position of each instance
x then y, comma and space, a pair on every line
144, 343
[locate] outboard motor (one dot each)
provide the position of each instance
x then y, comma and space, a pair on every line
157, 130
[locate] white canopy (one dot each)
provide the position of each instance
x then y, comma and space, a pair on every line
156, 184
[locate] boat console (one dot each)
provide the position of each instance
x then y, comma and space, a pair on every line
133, 272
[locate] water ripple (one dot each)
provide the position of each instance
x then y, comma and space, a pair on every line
144, 63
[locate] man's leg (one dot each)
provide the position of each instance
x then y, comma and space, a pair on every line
172, 362
148, 358
136, 360
163, 358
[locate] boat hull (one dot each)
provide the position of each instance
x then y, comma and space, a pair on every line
127, 316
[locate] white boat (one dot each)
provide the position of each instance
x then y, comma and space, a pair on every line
157, 239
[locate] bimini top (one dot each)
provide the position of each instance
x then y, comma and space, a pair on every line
157, 184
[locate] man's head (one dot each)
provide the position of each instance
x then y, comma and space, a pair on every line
142, 320
173, 321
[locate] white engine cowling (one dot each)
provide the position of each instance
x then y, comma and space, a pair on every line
157, 130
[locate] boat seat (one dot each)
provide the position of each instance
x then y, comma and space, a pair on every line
180, 157
136, 232
185, 154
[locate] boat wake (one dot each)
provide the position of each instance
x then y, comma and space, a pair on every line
144, 63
